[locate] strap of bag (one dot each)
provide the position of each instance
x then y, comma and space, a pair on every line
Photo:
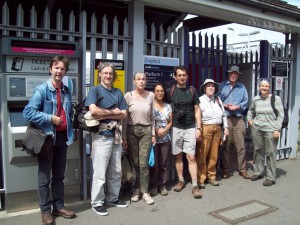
273, 105
229, 93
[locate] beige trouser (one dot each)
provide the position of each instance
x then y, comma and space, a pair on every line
207, 152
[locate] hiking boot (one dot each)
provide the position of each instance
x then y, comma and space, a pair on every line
244, 174
153, 191
100, 210
268, 182
163, 191
118, 203
213, 182
226, 175
47, 219
196, 192
135, 196
201, 185
256, 177
148, 199
66, 213
179, 186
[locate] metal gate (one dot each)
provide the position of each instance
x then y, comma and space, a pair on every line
96, 41
210, 60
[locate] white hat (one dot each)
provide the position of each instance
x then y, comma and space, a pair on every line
90, 121
211, 81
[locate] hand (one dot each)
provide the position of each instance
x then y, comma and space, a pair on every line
276, 134
153, 140
233, 107
56, 120
161, 132
250, 122
198, 135
117, 111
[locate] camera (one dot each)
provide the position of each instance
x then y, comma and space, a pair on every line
180, 114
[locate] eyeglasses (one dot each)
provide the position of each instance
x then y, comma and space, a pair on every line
107, 73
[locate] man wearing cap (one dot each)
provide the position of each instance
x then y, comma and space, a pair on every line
235, 98
213, 117
106, 104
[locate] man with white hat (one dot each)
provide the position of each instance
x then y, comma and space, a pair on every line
235, 98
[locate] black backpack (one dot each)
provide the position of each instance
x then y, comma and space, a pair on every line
285, 121
79, 120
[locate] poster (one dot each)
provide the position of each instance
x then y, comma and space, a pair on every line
119, 66
159, 70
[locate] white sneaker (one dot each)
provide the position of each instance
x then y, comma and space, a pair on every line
148, 199
135, 198
136, 195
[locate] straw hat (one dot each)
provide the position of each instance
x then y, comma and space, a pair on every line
209, 81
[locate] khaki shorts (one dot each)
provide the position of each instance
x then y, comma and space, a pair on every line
183, 140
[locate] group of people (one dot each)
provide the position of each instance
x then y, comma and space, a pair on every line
172, 121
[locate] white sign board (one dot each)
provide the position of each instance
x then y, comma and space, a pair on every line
279, 83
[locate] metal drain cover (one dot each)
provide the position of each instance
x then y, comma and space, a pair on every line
242, 212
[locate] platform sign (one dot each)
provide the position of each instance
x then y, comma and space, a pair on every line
279, 68
159, 70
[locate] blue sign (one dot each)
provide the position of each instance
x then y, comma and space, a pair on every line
159, 70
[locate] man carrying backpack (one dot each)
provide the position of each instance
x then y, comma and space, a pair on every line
107, 147
185, 131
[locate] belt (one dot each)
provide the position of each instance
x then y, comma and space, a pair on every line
234, 116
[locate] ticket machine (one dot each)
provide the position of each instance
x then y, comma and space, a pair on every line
24, 65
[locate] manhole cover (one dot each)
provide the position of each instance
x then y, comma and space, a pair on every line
242, 212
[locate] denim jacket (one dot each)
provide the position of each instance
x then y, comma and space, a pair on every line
43, 105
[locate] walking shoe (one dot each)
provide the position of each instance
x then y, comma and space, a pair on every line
244, 174
163, 191
153, 191
118, 203
135, 196
268, 182
196, 192
179, 186
226, 175
213, 182
47, 219
66, 213
100, 210
148, 199
201, 185
256, 177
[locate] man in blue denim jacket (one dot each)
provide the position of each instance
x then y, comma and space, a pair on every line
50, 108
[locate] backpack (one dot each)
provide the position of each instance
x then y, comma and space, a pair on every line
285, 121
191, 90
79, 120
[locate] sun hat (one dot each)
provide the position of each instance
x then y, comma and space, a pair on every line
234, 69
209, 81
90, 121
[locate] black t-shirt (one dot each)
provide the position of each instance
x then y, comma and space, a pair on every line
183, 102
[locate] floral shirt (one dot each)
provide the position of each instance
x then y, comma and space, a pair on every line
161, 121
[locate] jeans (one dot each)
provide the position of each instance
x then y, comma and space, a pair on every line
106, 157
55, 164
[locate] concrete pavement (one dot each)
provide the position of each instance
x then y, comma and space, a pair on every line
181, 208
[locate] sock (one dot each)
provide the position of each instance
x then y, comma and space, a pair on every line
194, 183
181, 179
